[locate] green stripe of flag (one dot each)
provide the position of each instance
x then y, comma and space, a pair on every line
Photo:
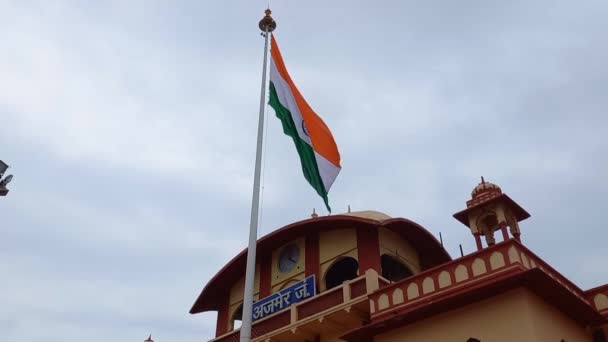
307, 154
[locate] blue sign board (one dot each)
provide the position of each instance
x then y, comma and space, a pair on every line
284, 298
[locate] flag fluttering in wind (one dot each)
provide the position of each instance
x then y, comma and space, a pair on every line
313, 140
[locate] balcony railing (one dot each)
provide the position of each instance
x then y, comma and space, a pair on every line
500, 259
351, 292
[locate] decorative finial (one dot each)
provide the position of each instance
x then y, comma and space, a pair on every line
349, 208
314, 214
149, 339
483, 181
267, 24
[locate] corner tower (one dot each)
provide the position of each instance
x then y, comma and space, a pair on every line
489, 210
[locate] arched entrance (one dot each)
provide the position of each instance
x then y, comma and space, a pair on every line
343, 269
393, 269
237, 318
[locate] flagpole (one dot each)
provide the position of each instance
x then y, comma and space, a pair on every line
267, 25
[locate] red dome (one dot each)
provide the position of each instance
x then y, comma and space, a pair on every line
484, 188
431, 251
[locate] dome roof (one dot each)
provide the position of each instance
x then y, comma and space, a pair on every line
484, 188
369, 214
431, 251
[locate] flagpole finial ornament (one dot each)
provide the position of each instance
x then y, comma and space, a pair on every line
314, 213
267, 24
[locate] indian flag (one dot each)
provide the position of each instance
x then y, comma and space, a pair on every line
316, 146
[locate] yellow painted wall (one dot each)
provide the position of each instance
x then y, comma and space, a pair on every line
236, 294
552, 325
236, 291
393, 244
286, 282
517, 315
334, 244
278, 278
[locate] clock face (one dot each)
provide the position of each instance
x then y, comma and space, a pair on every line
288, 258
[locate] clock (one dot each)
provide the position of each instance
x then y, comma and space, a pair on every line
288, 258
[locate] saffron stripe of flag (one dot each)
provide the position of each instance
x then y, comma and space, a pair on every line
314, 142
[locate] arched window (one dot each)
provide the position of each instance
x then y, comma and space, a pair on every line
342, 270
487, 224
237, 318
393, 269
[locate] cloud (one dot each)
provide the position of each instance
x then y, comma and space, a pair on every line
130, 129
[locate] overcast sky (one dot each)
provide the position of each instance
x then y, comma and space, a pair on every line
130, 129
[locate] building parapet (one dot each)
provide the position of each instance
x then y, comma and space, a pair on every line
372, 298
501, 260
344, 306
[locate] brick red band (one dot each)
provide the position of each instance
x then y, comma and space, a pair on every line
265, 275
368, 247
311, 265
222, 319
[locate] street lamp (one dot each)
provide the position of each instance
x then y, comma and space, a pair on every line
4, 182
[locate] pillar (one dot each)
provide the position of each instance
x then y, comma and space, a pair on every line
368, 249
311, 250
222, 319
503, 228
478, 241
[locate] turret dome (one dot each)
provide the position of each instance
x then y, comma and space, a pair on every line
484, 188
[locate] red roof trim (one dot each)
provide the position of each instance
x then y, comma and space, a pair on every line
519, 212
596, 290
536, 280
215, 290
